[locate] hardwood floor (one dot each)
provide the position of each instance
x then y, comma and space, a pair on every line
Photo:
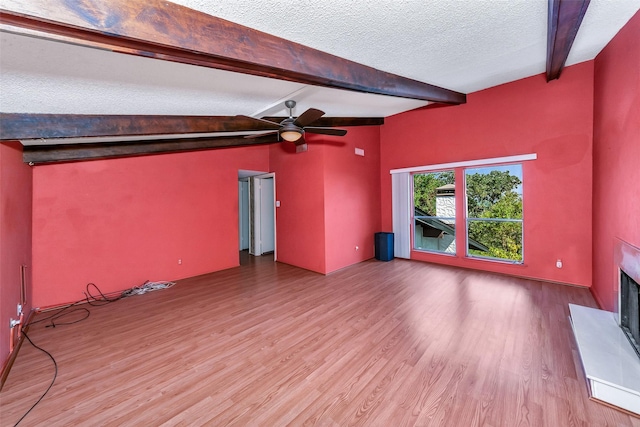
397, 343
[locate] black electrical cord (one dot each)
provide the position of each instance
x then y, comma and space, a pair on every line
53, 324
89, 298
61, 312
53, 380
92, 300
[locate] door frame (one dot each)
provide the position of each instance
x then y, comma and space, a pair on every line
243, 213
255, 211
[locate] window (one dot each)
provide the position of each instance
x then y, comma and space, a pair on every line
434, 206
491, 219
494, 212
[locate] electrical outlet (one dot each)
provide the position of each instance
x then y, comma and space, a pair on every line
180, 261
559, 263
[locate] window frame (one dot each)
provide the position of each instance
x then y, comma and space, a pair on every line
414, 217
468, 220
403, 225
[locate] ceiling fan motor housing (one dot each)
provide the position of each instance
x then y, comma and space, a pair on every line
289, 131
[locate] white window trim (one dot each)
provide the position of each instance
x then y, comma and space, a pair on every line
468, 163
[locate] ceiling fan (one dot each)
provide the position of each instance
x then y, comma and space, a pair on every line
292, 129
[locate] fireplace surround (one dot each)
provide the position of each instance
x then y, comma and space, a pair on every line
609, 359
629, 310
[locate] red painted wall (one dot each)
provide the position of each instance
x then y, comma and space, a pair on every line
352, 196
330, 200
15, 237
554, 120
300, 224
616, 156
120, 222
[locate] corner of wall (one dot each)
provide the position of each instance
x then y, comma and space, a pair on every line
616, 134
16, 190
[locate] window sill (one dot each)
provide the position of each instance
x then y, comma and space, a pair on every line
495, 260
427, 251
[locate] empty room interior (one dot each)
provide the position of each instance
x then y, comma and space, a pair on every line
269, 213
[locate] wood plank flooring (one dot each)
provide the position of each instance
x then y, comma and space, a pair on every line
397, 343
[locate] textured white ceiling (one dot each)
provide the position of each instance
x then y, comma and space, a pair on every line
464, 45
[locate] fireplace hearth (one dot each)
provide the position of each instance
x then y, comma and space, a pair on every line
607, 341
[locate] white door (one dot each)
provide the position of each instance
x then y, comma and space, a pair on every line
262, 207
267, 215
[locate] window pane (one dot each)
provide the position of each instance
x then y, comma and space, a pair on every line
494, 212
493, 239
434, 202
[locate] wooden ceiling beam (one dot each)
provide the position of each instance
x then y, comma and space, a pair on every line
564, 20
33, 126
163, 30
56, 153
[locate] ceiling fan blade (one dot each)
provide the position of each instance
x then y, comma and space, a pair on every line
264, 122
326, 131
258, 135
308, 117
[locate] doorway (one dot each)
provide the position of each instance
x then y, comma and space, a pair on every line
257, 213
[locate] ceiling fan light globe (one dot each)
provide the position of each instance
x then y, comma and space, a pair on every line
290, 135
